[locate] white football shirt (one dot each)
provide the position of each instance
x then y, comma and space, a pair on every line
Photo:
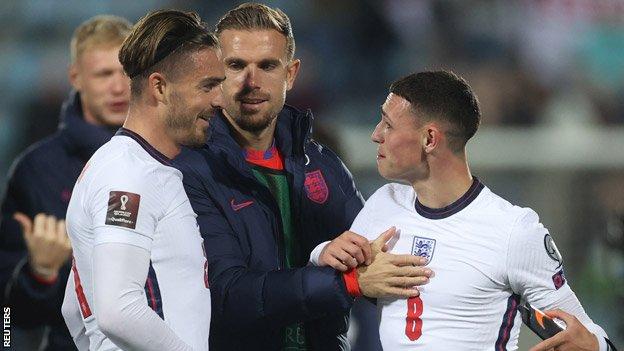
128, 194
486, 253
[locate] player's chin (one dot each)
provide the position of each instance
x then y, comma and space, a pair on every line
383, 171
197, 138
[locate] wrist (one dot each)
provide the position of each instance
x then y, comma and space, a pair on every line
315, 255
351, 282
43, 275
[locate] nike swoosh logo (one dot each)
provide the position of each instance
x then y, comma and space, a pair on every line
237, 207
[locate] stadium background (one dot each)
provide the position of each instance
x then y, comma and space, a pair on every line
549, 75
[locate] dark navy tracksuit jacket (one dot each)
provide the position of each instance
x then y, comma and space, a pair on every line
41, 180
253, 296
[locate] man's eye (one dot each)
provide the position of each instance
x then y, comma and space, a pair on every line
268, 67
103, 73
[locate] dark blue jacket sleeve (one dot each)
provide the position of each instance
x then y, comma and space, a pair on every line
15, 199
244, 297
29, 299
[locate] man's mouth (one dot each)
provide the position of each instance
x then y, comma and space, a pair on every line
252, 103
252, 99
119, 106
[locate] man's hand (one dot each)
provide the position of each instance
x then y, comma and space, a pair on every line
575, 337
347, 251
392, 275
47, 242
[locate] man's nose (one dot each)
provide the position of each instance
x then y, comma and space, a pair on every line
376, 137
219, 101
252, 78
120, 83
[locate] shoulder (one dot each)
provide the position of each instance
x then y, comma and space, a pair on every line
527, 228
43, 155
522, 223
120, 163
316, 149
495, 206
191, 161
323, 156
196, 167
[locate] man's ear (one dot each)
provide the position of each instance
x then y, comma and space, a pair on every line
292, 71
157, 86
74, 77
432, 137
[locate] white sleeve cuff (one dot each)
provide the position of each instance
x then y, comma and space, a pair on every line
316, 253
118, 235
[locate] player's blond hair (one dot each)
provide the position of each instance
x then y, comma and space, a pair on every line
104, 31
253, 16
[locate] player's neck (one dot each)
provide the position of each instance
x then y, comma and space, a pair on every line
145, 121
446, 183
260, 140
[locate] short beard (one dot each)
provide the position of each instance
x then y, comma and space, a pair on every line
249, 124
182, 126
186, 134
194, 140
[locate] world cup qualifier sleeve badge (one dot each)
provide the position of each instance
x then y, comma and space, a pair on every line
123, 208
315, 187
423, 247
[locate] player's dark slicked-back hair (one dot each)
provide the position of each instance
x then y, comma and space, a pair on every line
442, 96
253, 16
159, 42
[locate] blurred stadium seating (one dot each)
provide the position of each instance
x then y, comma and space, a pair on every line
549, 75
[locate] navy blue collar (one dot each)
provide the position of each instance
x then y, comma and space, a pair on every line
293, 130
82, 137
460, 204
145, 145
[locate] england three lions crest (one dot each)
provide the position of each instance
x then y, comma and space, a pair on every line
315, 187
423, 247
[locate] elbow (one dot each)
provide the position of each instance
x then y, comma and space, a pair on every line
110, 322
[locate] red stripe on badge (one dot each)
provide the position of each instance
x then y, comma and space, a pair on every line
82, 300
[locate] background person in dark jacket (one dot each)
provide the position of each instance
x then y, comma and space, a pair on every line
265, 194
33, 242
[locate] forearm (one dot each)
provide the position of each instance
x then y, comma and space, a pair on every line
570, 304
277, 298
119, 274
